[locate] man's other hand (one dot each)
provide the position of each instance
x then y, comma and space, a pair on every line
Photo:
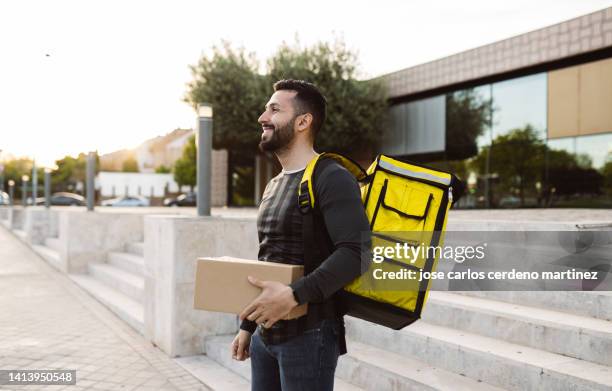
240, 345
273, 303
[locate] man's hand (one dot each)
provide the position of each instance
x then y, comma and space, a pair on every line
273, 303
240, 345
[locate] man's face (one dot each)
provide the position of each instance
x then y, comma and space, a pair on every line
277, 122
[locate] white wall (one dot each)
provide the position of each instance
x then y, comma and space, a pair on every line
106, 180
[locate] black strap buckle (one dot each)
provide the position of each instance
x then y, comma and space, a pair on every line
304, 198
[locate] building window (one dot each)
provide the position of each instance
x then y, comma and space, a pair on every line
518, 103
468, 136
596, 150
468, 122
517, 154
567, 144
416, 128
579, 171
496, 139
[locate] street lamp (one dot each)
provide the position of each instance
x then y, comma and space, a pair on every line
24, 191
34, 183
91, 171
11, 184
1, 173
204, 158
47, 187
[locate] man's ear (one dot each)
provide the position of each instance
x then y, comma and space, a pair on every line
304, 122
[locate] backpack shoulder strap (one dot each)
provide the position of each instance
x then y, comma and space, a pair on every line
312, 249
306, 193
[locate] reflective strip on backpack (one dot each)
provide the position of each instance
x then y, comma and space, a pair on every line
415, 174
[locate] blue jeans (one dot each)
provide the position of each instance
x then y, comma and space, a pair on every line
306, 362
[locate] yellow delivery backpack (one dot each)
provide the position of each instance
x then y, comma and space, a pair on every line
407, 207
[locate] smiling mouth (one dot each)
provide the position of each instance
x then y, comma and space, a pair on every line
267, 128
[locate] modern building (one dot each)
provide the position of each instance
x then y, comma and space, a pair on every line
526, 121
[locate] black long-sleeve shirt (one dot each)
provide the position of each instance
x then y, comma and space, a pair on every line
279, 223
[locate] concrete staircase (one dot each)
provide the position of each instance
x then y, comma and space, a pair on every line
465, 341
219, 371
513, 347
566, 334
119, 284
50, 251
364, 367
20, 233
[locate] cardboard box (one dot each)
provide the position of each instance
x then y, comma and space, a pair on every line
222, 285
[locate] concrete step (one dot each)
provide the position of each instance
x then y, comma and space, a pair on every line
596, 304
534, 257
129, 284
212, 374
571, 335
500, 363
48, 254
21, 234
136, 248
54, 243
129, 262
124, 307
217, 349
376, 369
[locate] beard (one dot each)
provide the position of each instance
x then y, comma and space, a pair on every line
281, 137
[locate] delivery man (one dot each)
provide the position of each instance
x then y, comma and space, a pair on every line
302, 353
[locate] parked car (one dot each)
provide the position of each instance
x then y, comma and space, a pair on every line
4, 198
63, 199
510, 202
188, 199
127, 201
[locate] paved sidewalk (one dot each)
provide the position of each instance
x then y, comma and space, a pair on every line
47, 322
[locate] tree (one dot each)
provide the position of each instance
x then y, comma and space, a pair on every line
63, 176
14, 170
71, 170
356, 111
163, 170
518, 158
130, 165
185, 166
467, 117
243, 182
606, 171
570, 174
230, 82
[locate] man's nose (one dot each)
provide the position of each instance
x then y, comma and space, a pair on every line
262, 118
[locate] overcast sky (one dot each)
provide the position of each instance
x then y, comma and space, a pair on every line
85, 75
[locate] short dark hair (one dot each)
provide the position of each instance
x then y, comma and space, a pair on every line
308, 99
